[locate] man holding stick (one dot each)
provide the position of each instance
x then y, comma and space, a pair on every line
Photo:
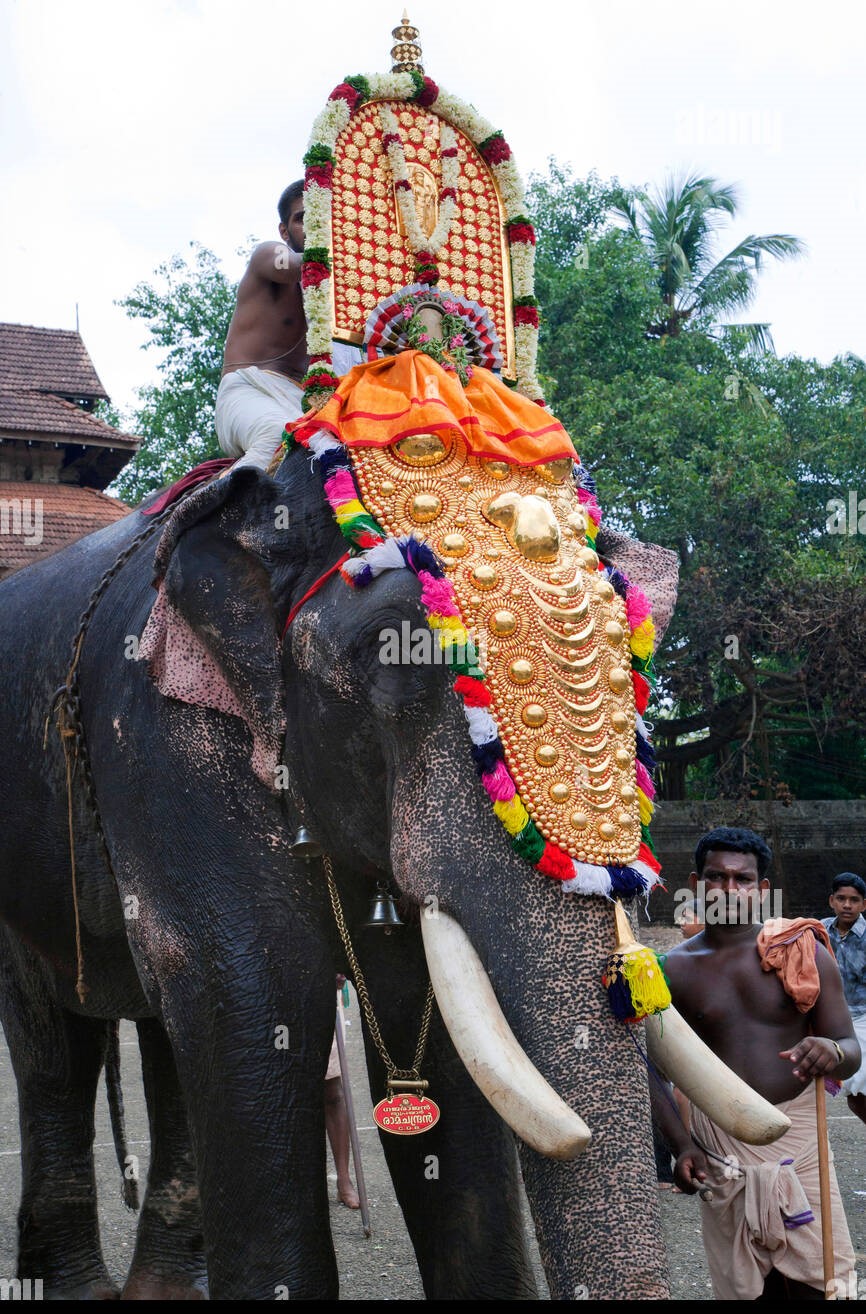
768, 1001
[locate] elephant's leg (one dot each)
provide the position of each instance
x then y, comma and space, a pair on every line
459, 1183
57, 1057
169, 1262
247, 1000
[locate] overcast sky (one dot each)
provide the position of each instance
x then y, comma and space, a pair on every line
130, 129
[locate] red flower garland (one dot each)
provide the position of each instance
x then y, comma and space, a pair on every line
521, 232
427, 94
344, 91
526, 315
313, 273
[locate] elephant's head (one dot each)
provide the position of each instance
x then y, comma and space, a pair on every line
376, 761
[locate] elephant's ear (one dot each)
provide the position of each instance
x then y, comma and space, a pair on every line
654, 569
212, 637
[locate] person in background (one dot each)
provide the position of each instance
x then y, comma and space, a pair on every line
337, 1123
847, 931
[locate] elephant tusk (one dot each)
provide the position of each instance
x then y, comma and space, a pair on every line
488, 1047
711, 1085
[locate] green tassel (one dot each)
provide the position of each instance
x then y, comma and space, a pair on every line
529, 843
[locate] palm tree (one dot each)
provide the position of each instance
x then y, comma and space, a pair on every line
677, 223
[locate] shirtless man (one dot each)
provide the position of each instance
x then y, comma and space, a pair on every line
266, 348
746, 1017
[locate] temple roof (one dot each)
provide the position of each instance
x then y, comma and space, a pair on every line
66, 513
40, 416
47, 360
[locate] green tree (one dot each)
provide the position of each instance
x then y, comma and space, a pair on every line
730, 460
187, 314
678, 224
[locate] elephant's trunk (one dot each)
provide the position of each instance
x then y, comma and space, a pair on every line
488, 1048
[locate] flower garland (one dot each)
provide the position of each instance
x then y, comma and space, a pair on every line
377, 553
424, 248
320, 381
393, 326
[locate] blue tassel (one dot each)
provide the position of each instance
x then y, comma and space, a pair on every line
364, 577
626, 881
645, 753
332, 459
619, 581
486, 756
583, 478
619, 997
419, 556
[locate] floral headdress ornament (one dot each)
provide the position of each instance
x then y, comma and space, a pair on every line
407, 82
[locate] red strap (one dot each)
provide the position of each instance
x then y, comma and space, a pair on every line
309, 593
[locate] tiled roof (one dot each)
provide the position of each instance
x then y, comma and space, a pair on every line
37, 413
46, 360
66, 513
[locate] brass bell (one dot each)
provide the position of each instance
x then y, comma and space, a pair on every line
383, 915
304, 846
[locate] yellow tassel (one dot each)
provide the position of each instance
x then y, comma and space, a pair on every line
456, 635
437, 621
512, 814
646, 982
348, 510
642, 640
645, 806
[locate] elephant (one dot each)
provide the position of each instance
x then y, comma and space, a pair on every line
198, 921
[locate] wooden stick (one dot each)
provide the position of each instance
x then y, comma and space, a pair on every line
353, 1128
824, 1183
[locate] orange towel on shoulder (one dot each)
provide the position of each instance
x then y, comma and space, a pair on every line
785, 948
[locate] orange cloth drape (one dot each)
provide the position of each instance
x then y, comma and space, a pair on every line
787, 947
382, 401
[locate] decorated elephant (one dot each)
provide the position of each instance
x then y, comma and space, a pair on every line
218, 940
496, 777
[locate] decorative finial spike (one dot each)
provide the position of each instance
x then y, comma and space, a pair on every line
406, 54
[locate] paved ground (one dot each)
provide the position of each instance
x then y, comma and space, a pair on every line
383, 1267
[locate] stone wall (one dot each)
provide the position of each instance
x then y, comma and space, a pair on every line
812, 842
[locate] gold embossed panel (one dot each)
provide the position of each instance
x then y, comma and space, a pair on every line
370, 254
554, 634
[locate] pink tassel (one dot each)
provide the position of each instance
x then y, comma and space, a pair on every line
589, 502
438, 594
499, 784
637, 606
340, 488
644, 780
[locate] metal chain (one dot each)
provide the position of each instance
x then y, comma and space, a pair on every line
66, 702
400, 1074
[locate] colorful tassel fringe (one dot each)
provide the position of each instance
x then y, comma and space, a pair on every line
634, 976
378, 553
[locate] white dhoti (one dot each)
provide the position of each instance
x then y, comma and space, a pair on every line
253, 407
766, 1207
856, 1084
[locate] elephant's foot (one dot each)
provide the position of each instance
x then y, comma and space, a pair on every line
146, 1284
95, 1289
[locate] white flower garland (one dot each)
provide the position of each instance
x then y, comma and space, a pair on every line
418, 241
